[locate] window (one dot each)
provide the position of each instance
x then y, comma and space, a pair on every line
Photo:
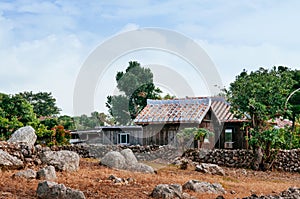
228, 138
228, 135
123, 138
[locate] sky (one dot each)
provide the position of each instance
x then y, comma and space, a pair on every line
44, 44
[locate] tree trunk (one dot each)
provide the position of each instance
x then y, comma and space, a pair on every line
258, 157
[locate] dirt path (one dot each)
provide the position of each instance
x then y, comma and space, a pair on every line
92, 179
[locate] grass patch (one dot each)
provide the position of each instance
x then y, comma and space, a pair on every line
229, 179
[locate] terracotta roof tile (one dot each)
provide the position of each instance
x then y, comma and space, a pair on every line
221, 109
187, 110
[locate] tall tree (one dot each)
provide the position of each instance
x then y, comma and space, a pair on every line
44, 104
261, 95
137, 85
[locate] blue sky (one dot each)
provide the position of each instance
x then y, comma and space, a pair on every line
43, 44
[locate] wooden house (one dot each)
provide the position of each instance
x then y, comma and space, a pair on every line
109, 135
163, 119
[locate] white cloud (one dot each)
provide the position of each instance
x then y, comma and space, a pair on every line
50, 64
232, 59
43, 44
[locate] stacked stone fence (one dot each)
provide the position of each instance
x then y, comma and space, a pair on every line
27, 154
286, 160
143, 153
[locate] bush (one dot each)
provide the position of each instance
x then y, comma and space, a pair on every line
56, 136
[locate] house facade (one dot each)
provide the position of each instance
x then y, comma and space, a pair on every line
161, 120
109, 135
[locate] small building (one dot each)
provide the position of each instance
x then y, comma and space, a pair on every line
163, 119
109, 135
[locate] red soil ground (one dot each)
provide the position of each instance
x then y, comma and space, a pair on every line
92, 179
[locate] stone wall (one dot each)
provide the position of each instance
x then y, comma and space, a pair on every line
142, 153
27, 154
286, 160
221, 157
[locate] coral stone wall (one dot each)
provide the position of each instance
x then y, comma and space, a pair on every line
286, 160
142, 153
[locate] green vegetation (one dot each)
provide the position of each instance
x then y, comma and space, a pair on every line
39, 110
84, 122
137, 85
44, 105
15, 112
186, 137
262, 95
22, 109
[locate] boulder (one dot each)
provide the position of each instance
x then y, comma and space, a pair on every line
167, 191
52, 190
114, 159
28, 174
140, 167
47, 173
210, 168
125, 160
61, 160
130, 158
25, 135
204, 187
9, 162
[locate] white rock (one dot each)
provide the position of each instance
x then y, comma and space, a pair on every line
47, 173
61, 160
10, 162
52, 190
25, 135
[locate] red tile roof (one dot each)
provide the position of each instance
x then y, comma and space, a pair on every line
188, 110
281, 123
185, 110
221, 109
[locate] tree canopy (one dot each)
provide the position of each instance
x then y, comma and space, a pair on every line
137, 85
19, 110
44, 104
84, 122
261, 94
15, 112
294, 101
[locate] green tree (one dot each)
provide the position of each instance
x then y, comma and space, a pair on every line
261, 95
200, 134
44, 104
49, 122
186, 137
15, 112
294, 101
106, 119
137, 85
89, 122
67, 122
44, 135
168, 96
